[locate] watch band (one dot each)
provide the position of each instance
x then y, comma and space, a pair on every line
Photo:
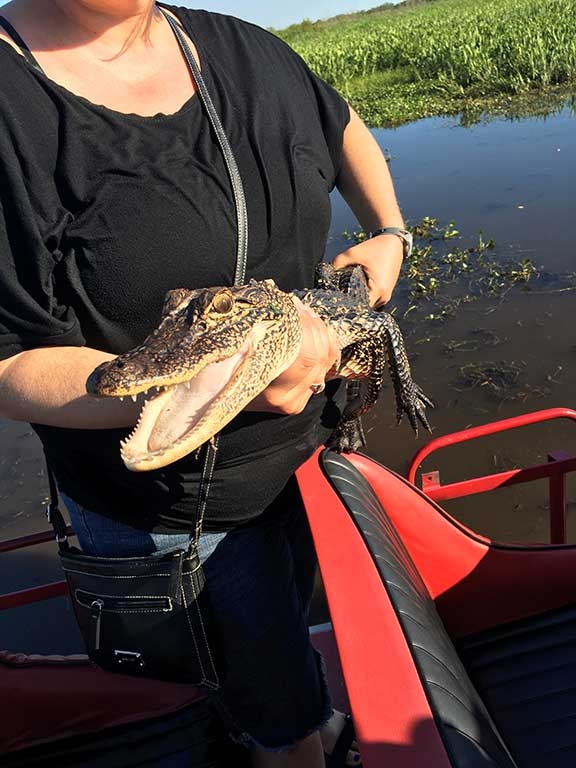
403, 234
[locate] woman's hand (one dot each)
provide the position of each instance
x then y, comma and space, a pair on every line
381, 258
320, 351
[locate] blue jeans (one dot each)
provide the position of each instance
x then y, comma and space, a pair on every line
260, 578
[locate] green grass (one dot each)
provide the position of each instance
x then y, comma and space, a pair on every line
437, 57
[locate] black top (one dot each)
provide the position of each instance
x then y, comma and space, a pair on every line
101, 213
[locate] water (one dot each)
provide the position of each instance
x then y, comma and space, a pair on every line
514, 181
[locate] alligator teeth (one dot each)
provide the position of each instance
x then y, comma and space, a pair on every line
134, 398
154, 391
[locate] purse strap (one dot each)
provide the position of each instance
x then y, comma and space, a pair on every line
53, 513
242, 240
230, 160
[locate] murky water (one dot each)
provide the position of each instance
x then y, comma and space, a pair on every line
514, 181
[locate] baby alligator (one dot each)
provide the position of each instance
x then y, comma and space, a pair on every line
216, 349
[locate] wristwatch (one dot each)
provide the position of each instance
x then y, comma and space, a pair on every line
403, 234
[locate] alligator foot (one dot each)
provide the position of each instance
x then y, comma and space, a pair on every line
415, 409
347, 437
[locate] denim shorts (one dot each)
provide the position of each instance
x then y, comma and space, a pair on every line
260, 578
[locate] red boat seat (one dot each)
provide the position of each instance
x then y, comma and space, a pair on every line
503, 697
61, 710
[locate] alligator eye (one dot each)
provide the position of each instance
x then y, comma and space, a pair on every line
223, 303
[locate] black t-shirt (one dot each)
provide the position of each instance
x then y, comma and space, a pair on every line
101, 213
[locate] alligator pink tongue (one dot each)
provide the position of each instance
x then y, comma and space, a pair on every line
187, 403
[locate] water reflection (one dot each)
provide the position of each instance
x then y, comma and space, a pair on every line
521, 108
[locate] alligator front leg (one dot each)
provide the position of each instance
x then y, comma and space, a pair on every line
410, 399
349, 433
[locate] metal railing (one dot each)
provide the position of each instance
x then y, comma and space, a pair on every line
556, 469
32, 594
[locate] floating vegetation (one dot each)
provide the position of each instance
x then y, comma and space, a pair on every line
503, 380
444, 57
498, 378
441, 276
478, 338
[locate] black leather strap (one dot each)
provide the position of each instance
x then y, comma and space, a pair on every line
242, 237
54, 515
231, 165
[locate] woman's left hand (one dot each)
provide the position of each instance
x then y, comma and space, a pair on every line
381, 257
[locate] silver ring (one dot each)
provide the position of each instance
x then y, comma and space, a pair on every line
317, 388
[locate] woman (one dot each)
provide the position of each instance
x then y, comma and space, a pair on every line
113, 192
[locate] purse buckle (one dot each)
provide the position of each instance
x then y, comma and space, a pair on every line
129, 658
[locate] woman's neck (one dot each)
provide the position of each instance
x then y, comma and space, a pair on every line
118, 53
107, 27
112, 23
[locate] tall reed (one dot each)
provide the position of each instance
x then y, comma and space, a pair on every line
493, 46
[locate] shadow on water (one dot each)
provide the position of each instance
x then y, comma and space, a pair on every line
510, 180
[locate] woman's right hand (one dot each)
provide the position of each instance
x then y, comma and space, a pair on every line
319, 353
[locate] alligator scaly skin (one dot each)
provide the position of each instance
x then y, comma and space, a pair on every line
216, 349
372, 342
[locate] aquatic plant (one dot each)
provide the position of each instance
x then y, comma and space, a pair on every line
442, 274
451, 50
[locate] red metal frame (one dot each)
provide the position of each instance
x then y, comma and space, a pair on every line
32, 594
559, 464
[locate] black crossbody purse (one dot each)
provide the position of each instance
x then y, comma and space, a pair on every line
150, 616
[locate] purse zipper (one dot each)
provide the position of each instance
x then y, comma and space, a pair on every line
110, 603
96, 615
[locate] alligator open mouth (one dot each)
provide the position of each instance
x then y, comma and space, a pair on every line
183, 416
213, 352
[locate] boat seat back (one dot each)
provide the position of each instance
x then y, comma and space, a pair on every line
468, 733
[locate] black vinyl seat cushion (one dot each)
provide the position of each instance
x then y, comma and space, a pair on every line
470, 737
525, 673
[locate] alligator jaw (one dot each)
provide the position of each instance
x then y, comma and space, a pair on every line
173, 423
182, 417
213, 352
